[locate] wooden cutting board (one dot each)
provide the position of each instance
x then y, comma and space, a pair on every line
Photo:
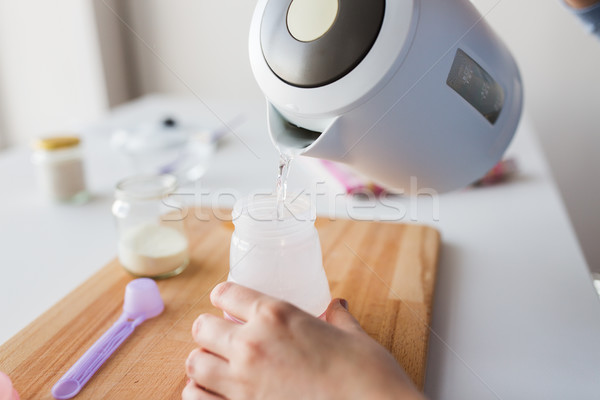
386, 271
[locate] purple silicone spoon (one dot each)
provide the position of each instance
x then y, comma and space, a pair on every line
142, 301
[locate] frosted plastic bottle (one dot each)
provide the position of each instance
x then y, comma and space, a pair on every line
280, 257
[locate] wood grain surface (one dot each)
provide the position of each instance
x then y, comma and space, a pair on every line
386, 271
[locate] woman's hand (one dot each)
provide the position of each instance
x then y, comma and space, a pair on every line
283, 353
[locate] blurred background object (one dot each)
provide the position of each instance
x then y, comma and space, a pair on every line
51, 75
169, 145
60, 169
63, 64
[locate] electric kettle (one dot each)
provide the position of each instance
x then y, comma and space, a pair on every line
398, 89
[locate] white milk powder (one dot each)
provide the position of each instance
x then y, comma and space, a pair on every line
153, 250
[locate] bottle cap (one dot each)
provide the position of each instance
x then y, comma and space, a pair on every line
56, 142
7, 392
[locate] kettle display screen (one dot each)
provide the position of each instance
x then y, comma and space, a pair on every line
476, 86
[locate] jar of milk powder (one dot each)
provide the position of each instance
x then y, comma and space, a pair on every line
60, 171
279, 255
152, 238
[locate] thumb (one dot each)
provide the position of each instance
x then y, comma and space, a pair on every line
338, 315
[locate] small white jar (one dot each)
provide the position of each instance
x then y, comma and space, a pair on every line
280, 257
60, 169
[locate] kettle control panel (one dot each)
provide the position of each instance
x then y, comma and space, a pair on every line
476, 86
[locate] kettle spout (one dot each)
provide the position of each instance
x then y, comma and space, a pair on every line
289, 138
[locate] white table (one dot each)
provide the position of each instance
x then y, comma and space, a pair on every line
515, 313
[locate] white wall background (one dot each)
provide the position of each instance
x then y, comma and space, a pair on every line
114, 46
192, 47
51, 74
560, 64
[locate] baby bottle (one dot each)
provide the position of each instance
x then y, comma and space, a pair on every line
279, 255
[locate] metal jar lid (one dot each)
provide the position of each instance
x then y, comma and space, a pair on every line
311, 43
56, 143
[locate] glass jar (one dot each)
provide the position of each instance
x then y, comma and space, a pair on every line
152, 241
60, 169
280, 257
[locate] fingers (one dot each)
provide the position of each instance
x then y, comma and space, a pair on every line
207, 370
214, 334
194, 392
239, 301
338, 316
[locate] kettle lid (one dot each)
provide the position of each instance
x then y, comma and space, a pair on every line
311, 43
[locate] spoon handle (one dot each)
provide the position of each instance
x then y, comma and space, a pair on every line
81, 372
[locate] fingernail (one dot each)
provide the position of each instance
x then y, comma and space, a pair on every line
344, 303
